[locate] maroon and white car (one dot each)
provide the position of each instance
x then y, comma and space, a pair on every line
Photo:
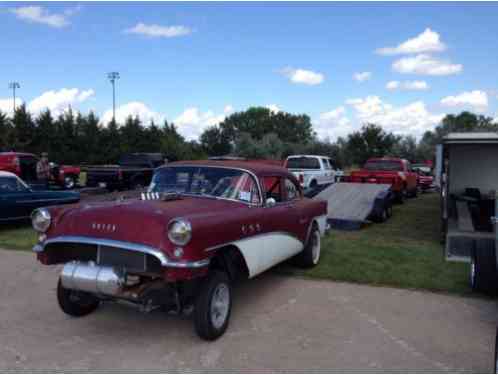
201, 226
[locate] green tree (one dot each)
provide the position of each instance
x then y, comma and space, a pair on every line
24, 129
215, 142
370, 141
5, 132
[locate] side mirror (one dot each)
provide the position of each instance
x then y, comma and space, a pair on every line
270, 202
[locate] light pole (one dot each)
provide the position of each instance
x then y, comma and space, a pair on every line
113, 76
14, 85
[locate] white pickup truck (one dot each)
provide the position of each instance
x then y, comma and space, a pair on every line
311, 170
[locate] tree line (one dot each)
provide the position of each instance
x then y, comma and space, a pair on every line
255, 133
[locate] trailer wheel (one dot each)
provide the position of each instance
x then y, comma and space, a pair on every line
496, 352
483, 274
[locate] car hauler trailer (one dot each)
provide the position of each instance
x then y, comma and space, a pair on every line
351, 204
467, 173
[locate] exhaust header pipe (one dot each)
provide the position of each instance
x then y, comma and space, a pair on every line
89, 277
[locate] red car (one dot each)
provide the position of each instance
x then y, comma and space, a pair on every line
24, 166
201, 226
393, 171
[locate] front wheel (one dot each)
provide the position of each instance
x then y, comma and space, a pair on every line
213, 306
76, 303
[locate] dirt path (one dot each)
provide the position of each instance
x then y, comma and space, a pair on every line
278, 323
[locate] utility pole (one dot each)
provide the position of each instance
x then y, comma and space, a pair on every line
14, 85
113, 76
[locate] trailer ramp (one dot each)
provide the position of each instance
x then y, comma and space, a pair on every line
350, 204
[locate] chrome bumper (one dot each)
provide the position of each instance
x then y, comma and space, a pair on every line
165, 261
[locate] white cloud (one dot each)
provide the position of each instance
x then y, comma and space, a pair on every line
228, 109
273, 108
426, 65
476, 99
144, 113
158, 31
333, 124
7, 105
413, 118
37, 14
407, 85
192, 122
59, 101
362, 76
427, 41
302, 76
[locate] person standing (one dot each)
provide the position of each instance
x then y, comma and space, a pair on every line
43, 170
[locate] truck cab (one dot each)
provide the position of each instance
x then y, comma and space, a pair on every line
311, 170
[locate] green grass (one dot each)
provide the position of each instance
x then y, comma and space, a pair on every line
19, 236
403, 252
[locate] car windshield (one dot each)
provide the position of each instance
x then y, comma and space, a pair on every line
383, 165
11, 185
303, 163
224, 183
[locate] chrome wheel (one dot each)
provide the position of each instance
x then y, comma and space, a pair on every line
315, 249
220, 305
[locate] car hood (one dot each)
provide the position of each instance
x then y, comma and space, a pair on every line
136, 221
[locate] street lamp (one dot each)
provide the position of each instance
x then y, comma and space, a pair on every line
113, 76
14, 85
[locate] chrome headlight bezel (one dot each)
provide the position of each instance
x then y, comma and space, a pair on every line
179, 231
41, 220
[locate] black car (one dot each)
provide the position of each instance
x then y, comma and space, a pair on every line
18, 200
133, 171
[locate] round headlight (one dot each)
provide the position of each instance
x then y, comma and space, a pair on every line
41, 220
179, 231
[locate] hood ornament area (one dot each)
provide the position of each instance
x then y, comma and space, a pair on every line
104, 227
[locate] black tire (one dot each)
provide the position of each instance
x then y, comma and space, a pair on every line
483, 274
205, 325
76, 303
313, 184
69, 182
496, 352
308, 258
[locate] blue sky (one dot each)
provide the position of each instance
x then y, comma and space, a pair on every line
194, 63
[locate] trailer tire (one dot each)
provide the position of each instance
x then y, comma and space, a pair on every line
483, 274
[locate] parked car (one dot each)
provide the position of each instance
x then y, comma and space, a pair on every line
311, 170
24, 165
18, 200
133, 171
392, 171
201, 226
425, 181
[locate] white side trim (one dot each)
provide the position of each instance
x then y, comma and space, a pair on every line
264, 251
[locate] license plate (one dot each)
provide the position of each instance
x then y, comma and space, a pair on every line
102, 184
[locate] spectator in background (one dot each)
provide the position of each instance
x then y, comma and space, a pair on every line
43, 170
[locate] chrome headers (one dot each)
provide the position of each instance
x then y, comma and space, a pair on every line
89, 277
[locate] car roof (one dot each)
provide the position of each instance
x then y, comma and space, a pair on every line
308, 156
257, 168
386, 158
7, 174
12, 153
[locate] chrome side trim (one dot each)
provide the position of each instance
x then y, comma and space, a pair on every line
259, 235
165, 261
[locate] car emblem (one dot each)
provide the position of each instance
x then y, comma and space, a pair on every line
104, 227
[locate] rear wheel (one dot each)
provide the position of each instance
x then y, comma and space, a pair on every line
76, 303
310, 256
313, 184
213, 306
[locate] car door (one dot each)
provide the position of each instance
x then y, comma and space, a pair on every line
16, 199
281, 222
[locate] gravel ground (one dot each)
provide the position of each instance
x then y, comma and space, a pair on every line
278, 323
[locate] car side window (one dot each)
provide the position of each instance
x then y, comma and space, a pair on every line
272, 188
10, 185
291, 190
326, 164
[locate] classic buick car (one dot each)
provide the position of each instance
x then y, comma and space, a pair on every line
18, 200
201, 226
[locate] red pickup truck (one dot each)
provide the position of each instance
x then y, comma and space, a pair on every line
393, 171
24, 165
